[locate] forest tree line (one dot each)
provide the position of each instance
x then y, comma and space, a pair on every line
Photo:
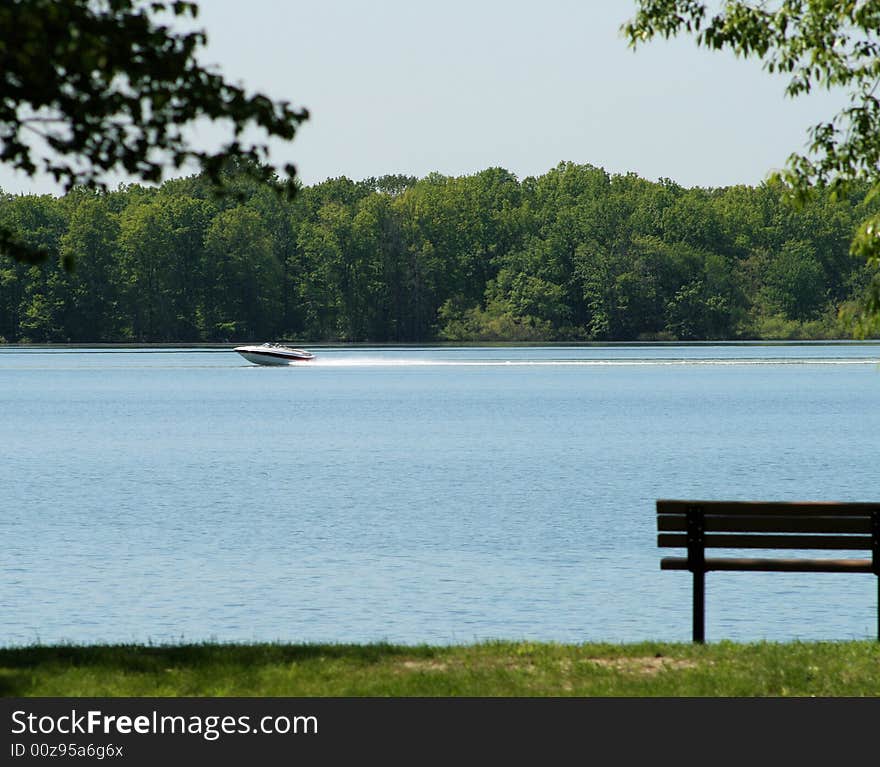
574, 254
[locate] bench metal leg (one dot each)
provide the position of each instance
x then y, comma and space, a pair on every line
699, 606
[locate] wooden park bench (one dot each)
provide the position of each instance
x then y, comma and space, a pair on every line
700, 525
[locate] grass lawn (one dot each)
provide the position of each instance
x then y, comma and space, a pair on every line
489, 669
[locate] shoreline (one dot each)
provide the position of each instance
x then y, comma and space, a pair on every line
227, 345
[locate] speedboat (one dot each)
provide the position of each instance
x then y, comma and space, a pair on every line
273, 354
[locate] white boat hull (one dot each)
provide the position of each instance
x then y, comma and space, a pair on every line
274, 355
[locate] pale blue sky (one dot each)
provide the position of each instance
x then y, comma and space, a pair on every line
405, 86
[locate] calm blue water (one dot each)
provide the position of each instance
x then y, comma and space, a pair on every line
439, 495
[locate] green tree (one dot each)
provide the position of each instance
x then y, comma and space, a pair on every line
322, 242
831, 44
91, 240
707, 302
795, 282
243, 278
107, 85
377, 244
34, 298
161, 262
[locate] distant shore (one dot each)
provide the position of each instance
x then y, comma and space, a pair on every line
226, 345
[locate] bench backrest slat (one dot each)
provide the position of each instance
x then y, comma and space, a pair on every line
723, 541
770, 508
698, 525
753, 523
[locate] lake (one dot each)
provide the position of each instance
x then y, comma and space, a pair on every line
436, 494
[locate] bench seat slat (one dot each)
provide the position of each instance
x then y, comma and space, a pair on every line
723, 541
735, 523
774, 565
769, 508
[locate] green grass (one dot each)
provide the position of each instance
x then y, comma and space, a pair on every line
492, 669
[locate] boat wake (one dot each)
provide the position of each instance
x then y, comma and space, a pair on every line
350, 362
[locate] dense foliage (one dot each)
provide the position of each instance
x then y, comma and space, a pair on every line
88, 87
815, 44
575, 254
